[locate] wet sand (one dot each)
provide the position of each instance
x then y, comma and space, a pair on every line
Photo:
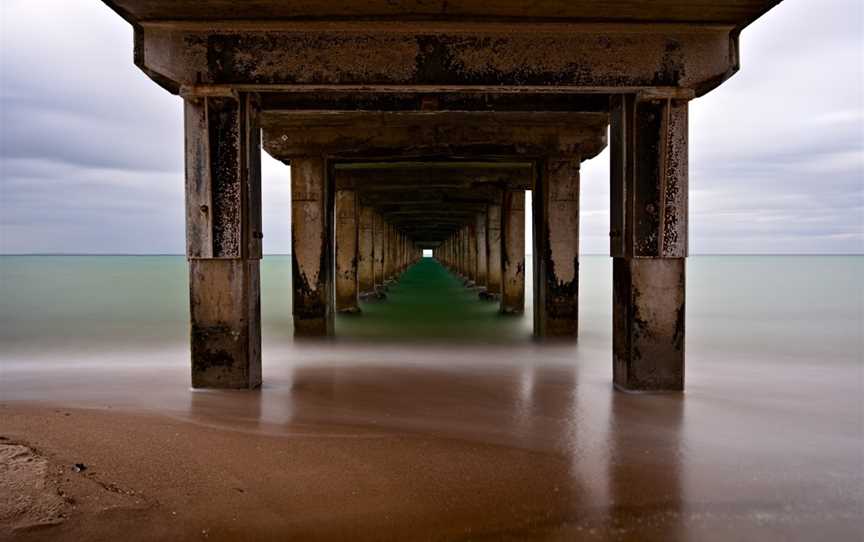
441, 444
455, 439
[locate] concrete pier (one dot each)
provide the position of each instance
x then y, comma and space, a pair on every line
365, 251
493, 250
649, 241
347, 255
415, 126
223, 239
311, 248
556, 248
513, 252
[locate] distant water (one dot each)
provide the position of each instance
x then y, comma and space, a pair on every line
803, 309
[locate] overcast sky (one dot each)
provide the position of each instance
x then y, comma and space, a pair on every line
92, 150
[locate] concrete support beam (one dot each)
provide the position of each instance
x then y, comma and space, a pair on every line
556, 248
365, 251
347, 239
513, 252
223, 239
648, 242
493, 250
480, 230
311, 247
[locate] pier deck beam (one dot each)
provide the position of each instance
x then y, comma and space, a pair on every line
346, 252
556, 248
311, 246
223, 239
513, 252
648, 241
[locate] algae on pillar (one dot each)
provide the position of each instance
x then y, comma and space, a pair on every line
223, 239
513, 252
346, 252
648, 220
311, 247
378, 238
556, 248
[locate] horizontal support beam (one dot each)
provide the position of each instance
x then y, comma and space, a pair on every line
369, 134
404, 54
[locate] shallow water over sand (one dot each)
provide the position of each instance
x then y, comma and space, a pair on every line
766, 442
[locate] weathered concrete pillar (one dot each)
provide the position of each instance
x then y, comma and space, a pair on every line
347, 235
223, 239
311, 246
379, 239
648, 241
493, 251
365, 251
513, 252
556, 248
480, 230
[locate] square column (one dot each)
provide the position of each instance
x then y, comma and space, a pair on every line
346, 252
493, 250
513, 252
378, 238
223, 239
365, 251
311, 247
648, 241
556, 248
480, 230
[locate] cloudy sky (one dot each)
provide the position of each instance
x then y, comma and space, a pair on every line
91, 150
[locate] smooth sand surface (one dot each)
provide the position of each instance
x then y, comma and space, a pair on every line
510, 443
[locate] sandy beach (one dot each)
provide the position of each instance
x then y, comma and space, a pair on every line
472, 449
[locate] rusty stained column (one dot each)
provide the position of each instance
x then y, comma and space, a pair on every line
493, 252
365, 251
480, 231
378, 238
311, 247
556, 248
223, 239
648, 241
513, 252
347, 236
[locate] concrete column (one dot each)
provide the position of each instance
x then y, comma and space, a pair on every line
556, 248
223, 239
480, 230
311, 247
472, 253
648, 242
493, 251
379, 237
347, 235
513, 252
365, 252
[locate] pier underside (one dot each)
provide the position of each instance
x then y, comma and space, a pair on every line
416, 125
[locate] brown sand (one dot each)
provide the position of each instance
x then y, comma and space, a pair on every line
360, 443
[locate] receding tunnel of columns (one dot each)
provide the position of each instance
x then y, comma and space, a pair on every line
395, 183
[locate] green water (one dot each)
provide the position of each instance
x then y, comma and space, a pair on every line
429, 302
806, 308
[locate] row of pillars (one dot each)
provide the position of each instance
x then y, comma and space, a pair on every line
490, 252
648, 242
370, 253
